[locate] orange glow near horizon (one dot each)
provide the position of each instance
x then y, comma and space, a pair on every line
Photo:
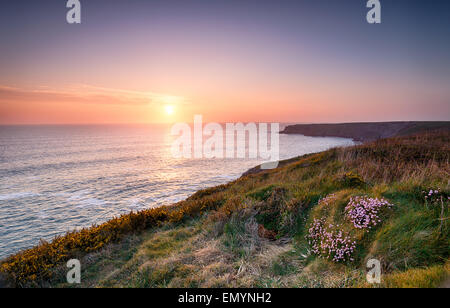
100, 105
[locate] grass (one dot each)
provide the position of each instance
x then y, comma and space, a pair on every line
430, 277
214, 238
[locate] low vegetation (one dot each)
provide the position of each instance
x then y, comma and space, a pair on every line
312, 222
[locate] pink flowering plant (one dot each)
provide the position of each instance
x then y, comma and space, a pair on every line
437, 200
365, 212
330, 241
435, 196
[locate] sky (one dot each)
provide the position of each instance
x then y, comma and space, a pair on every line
305, 61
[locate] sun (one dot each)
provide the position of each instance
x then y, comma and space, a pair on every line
170, 109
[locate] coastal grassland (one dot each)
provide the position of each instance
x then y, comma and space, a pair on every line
256, 230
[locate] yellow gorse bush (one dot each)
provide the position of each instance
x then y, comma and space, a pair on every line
36, 264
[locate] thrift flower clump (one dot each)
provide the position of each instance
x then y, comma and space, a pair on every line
330, 242
364, 212
435, 196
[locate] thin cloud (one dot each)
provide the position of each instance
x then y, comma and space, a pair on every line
86, 94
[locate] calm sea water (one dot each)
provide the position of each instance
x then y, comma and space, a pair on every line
59, 178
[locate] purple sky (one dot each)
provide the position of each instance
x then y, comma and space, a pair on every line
289, 61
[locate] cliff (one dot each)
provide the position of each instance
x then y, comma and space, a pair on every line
364, 131
314, 221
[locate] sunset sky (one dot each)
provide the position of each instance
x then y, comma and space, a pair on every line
278, 61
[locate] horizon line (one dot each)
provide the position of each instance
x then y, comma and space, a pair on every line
220, 122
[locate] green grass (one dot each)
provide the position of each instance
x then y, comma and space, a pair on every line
212, 239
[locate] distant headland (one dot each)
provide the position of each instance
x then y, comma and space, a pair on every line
365, 131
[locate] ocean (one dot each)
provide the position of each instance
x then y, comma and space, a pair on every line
55, 179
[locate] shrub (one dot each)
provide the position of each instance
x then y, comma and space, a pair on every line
279, 213
351, 180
